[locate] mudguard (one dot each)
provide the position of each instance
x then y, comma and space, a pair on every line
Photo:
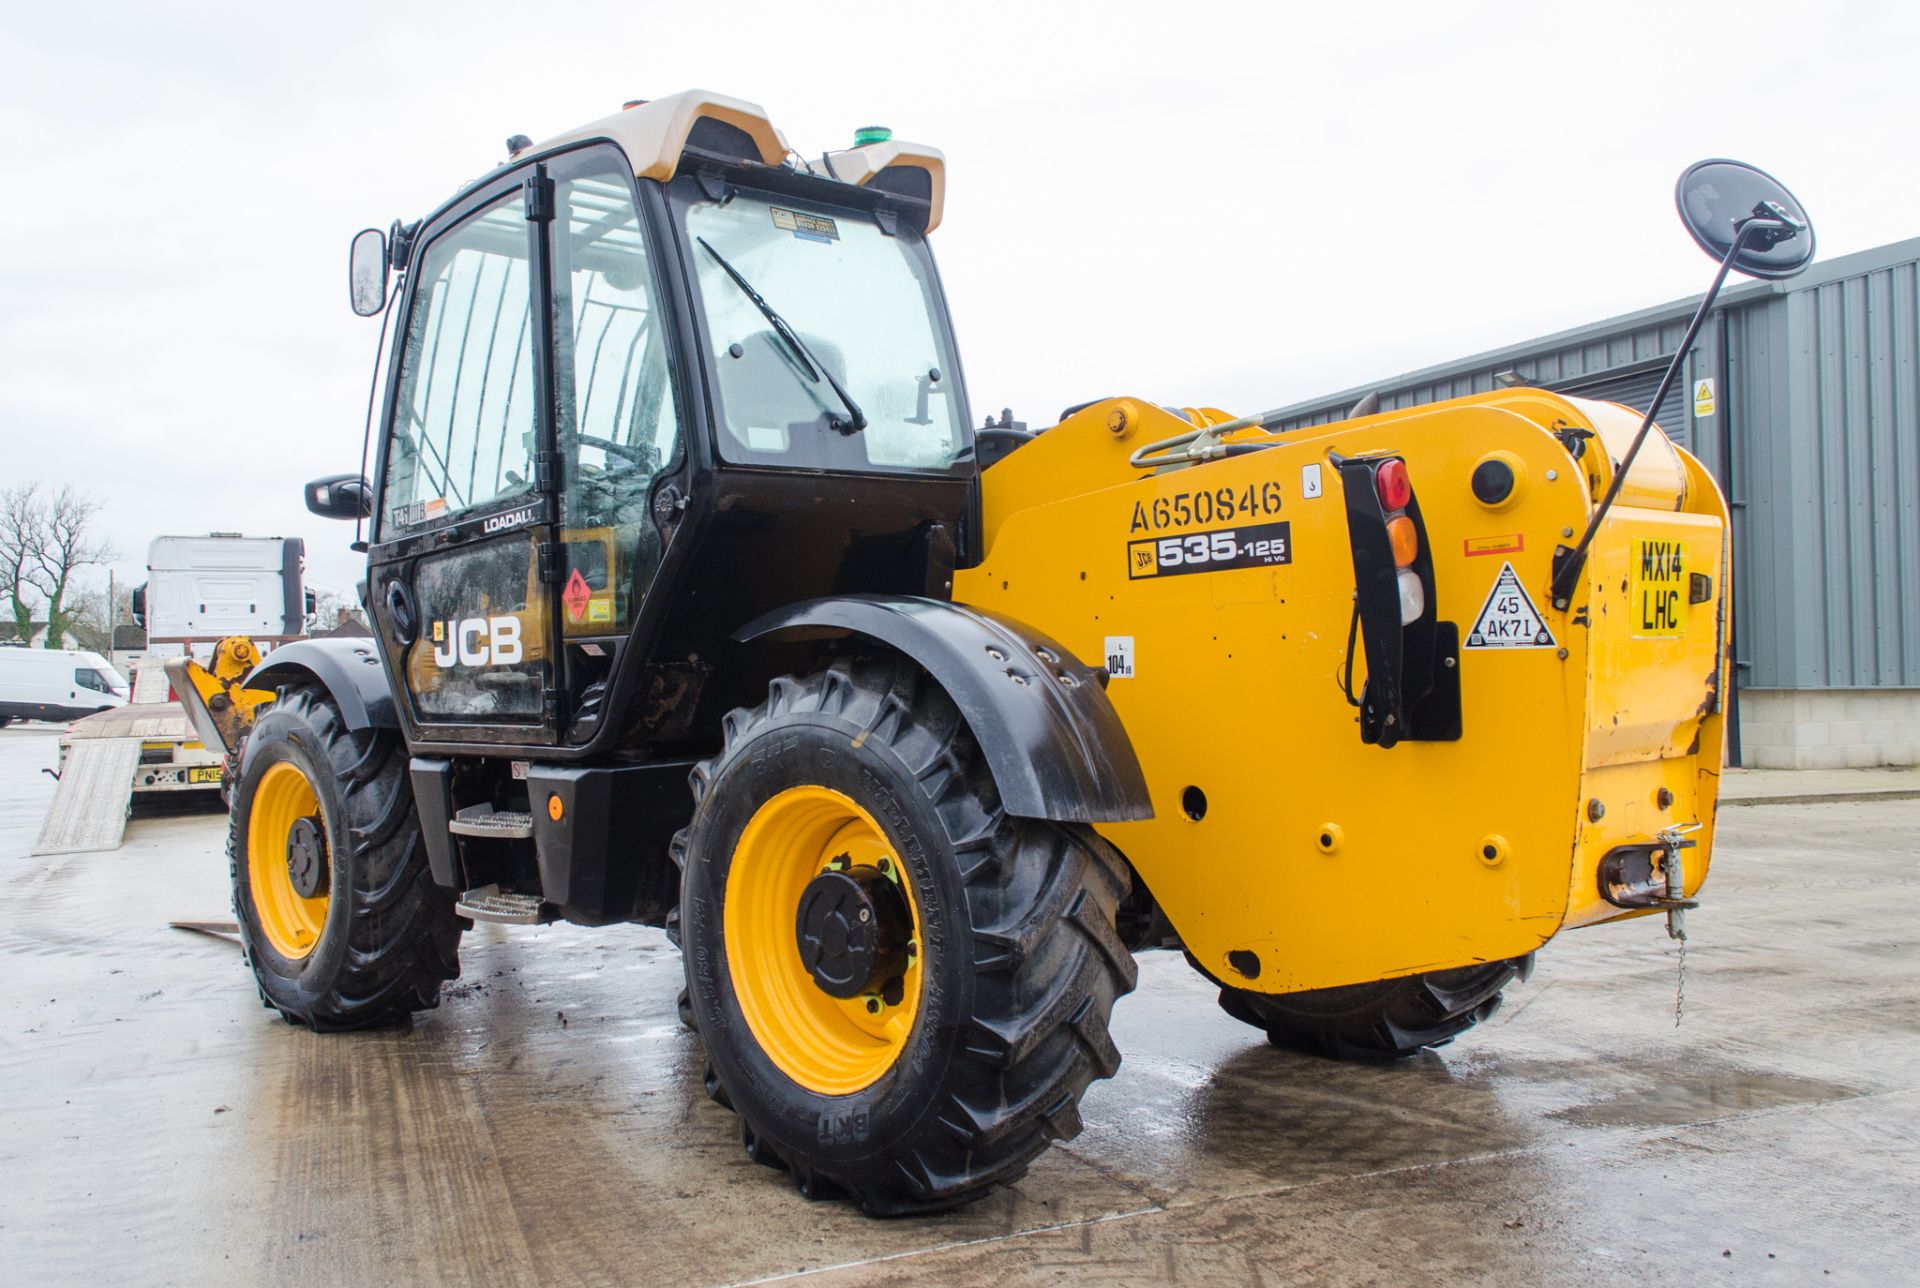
1054, 742
348, 667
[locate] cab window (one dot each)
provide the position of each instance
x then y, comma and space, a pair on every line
618, 428
464, 408
861, 302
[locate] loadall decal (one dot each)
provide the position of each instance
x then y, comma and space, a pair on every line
1257, 546
1508, 619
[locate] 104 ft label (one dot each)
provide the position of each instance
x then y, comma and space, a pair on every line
1258, 545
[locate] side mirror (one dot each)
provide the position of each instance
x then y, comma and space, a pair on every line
340, 496
1718, 198
140, 605
367, 272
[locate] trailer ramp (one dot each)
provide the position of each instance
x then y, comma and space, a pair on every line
89, 810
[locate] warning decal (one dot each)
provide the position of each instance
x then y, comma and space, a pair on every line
576, 595
1702, 399
1509, 619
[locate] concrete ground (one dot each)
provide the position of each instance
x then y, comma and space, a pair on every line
546, 1124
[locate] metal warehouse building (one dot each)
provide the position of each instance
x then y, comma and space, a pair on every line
1803, 399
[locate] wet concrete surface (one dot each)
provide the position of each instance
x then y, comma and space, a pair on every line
546, 1123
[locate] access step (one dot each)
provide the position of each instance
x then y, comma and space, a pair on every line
491, 903
485, 820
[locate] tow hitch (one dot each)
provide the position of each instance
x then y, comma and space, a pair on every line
1651, 876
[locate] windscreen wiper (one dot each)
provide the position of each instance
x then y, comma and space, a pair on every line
815, 369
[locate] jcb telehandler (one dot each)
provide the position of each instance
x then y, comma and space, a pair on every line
699, 603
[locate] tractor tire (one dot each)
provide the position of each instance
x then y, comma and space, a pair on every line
1386, 1020
956, 1071
340, 918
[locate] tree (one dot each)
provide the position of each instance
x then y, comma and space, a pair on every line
90, 619
44, 541
19, 510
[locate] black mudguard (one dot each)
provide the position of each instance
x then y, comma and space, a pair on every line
1054, 742
349, 668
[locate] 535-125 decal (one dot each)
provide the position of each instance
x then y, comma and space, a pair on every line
1256, 545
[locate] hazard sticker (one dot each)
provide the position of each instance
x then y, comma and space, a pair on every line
576, 595
1509, 619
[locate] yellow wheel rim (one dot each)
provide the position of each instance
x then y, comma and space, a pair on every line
291, 922
830, 1045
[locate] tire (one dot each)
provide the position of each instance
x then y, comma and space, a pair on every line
1019, 964
386, 937
1386, 1020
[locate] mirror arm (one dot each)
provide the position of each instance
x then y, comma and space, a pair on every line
1567, 564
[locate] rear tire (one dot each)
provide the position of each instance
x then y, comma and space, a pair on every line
1019, 962
1386, 1020
376, 937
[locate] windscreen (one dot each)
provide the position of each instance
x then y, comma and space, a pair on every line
860, 303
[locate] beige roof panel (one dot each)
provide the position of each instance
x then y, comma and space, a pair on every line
860, 165
653, 135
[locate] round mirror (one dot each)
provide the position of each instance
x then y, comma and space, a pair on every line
367, 272
1716, 197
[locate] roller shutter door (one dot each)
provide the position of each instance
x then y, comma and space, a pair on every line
1636, 389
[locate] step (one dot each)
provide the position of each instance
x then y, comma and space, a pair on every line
485, 820
491, 903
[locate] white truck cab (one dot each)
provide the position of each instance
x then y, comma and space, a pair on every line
57, 684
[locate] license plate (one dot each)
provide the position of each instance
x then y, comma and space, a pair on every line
204, 774
1657, 588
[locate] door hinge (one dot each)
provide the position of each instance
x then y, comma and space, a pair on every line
546, 472
539, 191
552, 561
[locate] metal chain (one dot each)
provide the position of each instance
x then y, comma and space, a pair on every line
1680, 986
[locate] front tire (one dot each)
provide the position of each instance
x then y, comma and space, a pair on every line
343, 925
982, 1036
1389, 1019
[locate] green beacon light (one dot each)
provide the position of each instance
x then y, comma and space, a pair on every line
871, 134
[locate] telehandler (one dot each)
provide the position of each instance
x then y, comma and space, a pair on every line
699, 603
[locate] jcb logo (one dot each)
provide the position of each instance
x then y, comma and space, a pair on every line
477, 641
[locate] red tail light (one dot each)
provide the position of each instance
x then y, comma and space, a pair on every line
1391, 482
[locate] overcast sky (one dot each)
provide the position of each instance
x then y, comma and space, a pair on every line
1239, 205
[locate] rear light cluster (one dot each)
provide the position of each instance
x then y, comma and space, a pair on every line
1395, 490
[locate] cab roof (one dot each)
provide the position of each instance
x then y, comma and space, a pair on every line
656, 137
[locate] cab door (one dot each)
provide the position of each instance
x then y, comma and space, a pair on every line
533, 427
468, 493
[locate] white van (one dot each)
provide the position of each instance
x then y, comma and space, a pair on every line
56, 684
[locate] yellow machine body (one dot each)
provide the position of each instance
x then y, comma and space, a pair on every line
1287, 853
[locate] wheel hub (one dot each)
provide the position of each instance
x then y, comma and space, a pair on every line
853, 927
307, 857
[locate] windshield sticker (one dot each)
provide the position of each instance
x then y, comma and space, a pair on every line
816, 228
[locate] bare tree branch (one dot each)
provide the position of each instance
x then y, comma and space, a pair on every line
44, 540
19, 526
